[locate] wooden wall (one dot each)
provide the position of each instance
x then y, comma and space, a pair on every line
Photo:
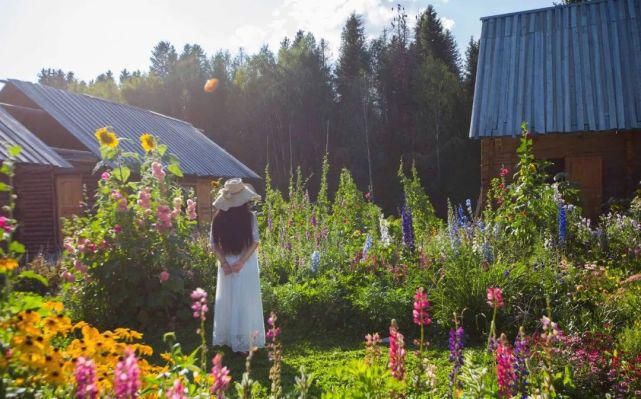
36, 208
619, 155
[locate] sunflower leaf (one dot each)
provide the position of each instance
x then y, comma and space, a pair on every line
121, 173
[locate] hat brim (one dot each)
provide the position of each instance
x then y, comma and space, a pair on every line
242, 197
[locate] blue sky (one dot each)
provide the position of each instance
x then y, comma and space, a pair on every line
90, 37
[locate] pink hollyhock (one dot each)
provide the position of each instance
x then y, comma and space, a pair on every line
68, 245
85, 376
504, 172
421, 306
121, 201
191, 209
221, 377
6, 224
199, 303
505, 368
144, 197
157, 171
164, 218
177, 391
396, 352
127, 376
105, 176
164, 276
495, 297
68, 277
81, 267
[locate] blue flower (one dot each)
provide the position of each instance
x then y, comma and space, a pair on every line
315, 261
408, 228
367, 246
562, 223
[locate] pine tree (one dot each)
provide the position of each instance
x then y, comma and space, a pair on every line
163, 59
433, 40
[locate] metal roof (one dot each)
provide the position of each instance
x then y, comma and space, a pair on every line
81, 115
34, 151
562, 69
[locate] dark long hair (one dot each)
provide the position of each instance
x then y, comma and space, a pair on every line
231, 230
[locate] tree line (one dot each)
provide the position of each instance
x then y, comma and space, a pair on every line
404, 97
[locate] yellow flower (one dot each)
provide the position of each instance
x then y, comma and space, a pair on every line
107, 138
7, 264
215, 184
148, 142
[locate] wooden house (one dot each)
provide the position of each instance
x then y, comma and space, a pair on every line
573, 73
56, 130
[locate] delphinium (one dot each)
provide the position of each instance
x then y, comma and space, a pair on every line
221, 377
199, 308
562, 223
315, 261
127, 376
408, 227
367, 246
396, 352
275, 353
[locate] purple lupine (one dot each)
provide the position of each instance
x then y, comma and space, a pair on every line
408, 228
85, 375
456, 354
127, 376
521, 354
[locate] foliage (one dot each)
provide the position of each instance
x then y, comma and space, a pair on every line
140, 237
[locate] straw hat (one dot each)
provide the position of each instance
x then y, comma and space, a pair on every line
235, 193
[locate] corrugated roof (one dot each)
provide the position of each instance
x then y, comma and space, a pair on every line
34, 151
563, 69
81, 115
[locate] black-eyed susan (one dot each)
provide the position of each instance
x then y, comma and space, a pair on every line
7, 264
107, 138
147, 142
211, 85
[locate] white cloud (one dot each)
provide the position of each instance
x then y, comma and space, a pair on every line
448, 23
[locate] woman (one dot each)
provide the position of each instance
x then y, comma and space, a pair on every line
238, 312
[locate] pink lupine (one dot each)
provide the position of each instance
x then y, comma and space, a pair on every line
164, 276
199, 303
157, 171
505, 368
221, 377
495, 297
177, 390
127, 376
191, 209
144, 197
85, 376
117, 229
421, 306
396, 352
273, 332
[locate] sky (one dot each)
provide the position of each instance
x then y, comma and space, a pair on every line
90, 37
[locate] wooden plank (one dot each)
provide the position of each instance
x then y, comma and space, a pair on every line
608, 67
617, 74
587, 75
599, 79
578, 95
567, 98
513, 74
587, 172
549, 73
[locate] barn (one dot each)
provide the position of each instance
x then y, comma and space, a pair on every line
573, 73
56, 130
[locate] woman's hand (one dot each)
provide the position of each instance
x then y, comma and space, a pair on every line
227, 268
237, 266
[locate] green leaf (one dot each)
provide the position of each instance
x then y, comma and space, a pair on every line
30, 274
5, 169
16, 247
4, 187
121, 173
162, 149
175, 170
14, 150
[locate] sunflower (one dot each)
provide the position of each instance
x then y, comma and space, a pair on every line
7, 264
211, 85
107, 138
148, 142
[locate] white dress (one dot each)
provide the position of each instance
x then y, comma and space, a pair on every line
238, 312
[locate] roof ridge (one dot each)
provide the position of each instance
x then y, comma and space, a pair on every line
542, 9
73, 93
